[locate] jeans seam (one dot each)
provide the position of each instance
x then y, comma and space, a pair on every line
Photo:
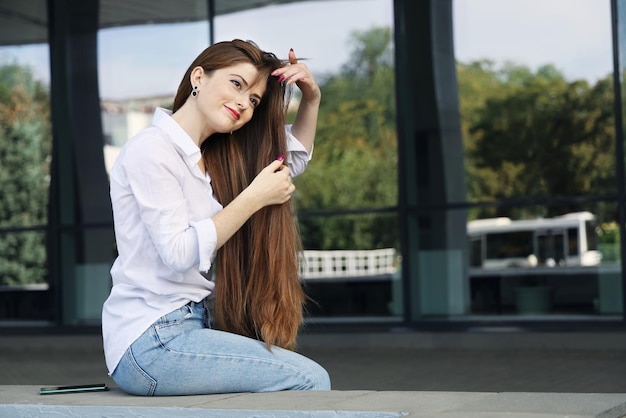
158, 337
296, 370
235, 357
186, 312
142, 372
164, 325
304, 377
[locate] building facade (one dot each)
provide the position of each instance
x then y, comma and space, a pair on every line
495, 188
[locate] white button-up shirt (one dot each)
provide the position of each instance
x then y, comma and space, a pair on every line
166, 239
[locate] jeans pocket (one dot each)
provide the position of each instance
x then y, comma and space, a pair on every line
131, 378
174, 325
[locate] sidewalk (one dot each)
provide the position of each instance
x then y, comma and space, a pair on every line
423, 374
23, 401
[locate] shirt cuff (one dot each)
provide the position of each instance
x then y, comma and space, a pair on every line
207, 241
297, 155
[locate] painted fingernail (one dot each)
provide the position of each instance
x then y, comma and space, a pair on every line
281, 158
281, 78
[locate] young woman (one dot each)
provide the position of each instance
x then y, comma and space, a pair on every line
204, 226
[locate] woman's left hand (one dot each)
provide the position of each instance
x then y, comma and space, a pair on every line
299, 74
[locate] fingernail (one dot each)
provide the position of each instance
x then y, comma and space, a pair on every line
281, 78
281, 158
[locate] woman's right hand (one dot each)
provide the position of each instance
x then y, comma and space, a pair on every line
273, 185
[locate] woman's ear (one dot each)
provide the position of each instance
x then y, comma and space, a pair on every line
196, 75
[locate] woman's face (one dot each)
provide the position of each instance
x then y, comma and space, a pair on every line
228, 96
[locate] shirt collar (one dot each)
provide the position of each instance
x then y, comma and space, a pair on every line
163, 119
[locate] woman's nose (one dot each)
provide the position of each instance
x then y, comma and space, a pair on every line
242, 101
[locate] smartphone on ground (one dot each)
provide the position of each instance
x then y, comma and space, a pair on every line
97, 387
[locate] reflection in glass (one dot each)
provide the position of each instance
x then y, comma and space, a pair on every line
505, 243
351, 57
536, 98
572, 258
25, 148
24, 292
351, 265
140, 68
349, 231
538, 126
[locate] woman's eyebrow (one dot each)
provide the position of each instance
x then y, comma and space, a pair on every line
243, 80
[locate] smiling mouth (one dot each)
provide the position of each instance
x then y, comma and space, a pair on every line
233, 112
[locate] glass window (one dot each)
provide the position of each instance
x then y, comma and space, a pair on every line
25, 153
476, 252
536, 100
578, 280
142, 54
509, 245
347, 196
536, 97
572, 240
140, 67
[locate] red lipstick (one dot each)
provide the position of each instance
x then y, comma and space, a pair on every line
233, 112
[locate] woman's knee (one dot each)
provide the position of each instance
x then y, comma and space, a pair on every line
322, 380
317, 378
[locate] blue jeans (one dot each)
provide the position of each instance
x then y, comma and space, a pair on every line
181, 355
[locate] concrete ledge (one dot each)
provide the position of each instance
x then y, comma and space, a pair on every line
487, 337
24, 401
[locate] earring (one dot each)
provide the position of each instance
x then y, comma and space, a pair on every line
195, 91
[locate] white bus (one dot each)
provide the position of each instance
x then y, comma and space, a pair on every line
567, 240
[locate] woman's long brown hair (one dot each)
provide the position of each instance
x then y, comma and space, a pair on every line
257, 289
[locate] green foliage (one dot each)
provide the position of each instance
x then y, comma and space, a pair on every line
608, 241
355, 157
25, 141
535, 134
526, 134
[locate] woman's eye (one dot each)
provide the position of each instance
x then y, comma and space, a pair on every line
236, 83
254, 102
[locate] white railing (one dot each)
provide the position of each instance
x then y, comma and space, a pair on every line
333, 264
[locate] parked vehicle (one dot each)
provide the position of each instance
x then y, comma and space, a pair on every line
567, 240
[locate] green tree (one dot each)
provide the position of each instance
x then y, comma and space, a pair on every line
536, 134
355, 157
25, 141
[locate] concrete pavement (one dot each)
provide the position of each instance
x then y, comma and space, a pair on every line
469, 374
